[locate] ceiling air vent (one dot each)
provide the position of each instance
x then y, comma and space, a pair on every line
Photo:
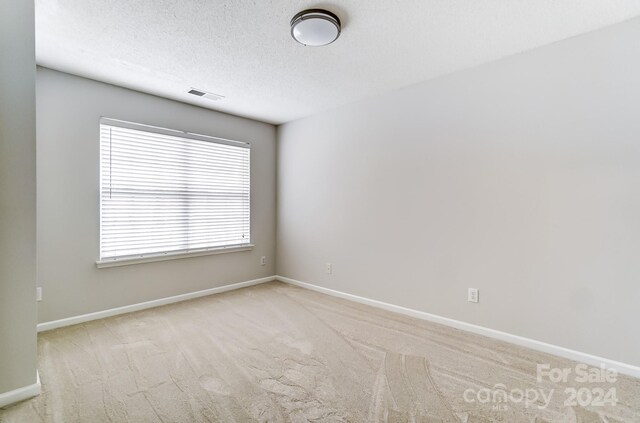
204, 94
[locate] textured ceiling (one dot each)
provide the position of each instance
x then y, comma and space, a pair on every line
242, 49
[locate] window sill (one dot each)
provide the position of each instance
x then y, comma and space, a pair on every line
170, 256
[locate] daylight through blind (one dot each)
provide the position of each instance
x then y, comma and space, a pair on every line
164, 191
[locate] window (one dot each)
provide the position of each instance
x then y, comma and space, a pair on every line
170, 193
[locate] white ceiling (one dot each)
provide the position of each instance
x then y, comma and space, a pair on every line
242, 49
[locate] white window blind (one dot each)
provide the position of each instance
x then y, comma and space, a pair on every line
170, 192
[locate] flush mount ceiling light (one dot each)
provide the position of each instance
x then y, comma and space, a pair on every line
315, 27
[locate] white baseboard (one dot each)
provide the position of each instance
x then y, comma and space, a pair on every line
148, 304
21, 394
582, 357
589, 359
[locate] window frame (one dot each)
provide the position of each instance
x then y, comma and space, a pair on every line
168, 255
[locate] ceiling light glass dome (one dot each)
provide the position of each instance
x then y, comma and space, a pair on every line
315, 27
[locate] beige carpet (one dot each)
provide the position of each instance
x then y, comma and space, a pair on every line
277, 353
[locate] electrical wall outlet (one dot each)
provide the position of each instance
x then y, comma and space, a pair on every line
38, 294
263, 260
473, 295
328, 268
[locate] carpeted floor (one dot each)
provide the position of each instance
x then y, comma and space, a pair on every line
278, 353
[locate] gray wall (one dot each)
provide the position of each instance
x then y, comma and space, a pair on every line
520, 178
69, 109
17, 196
